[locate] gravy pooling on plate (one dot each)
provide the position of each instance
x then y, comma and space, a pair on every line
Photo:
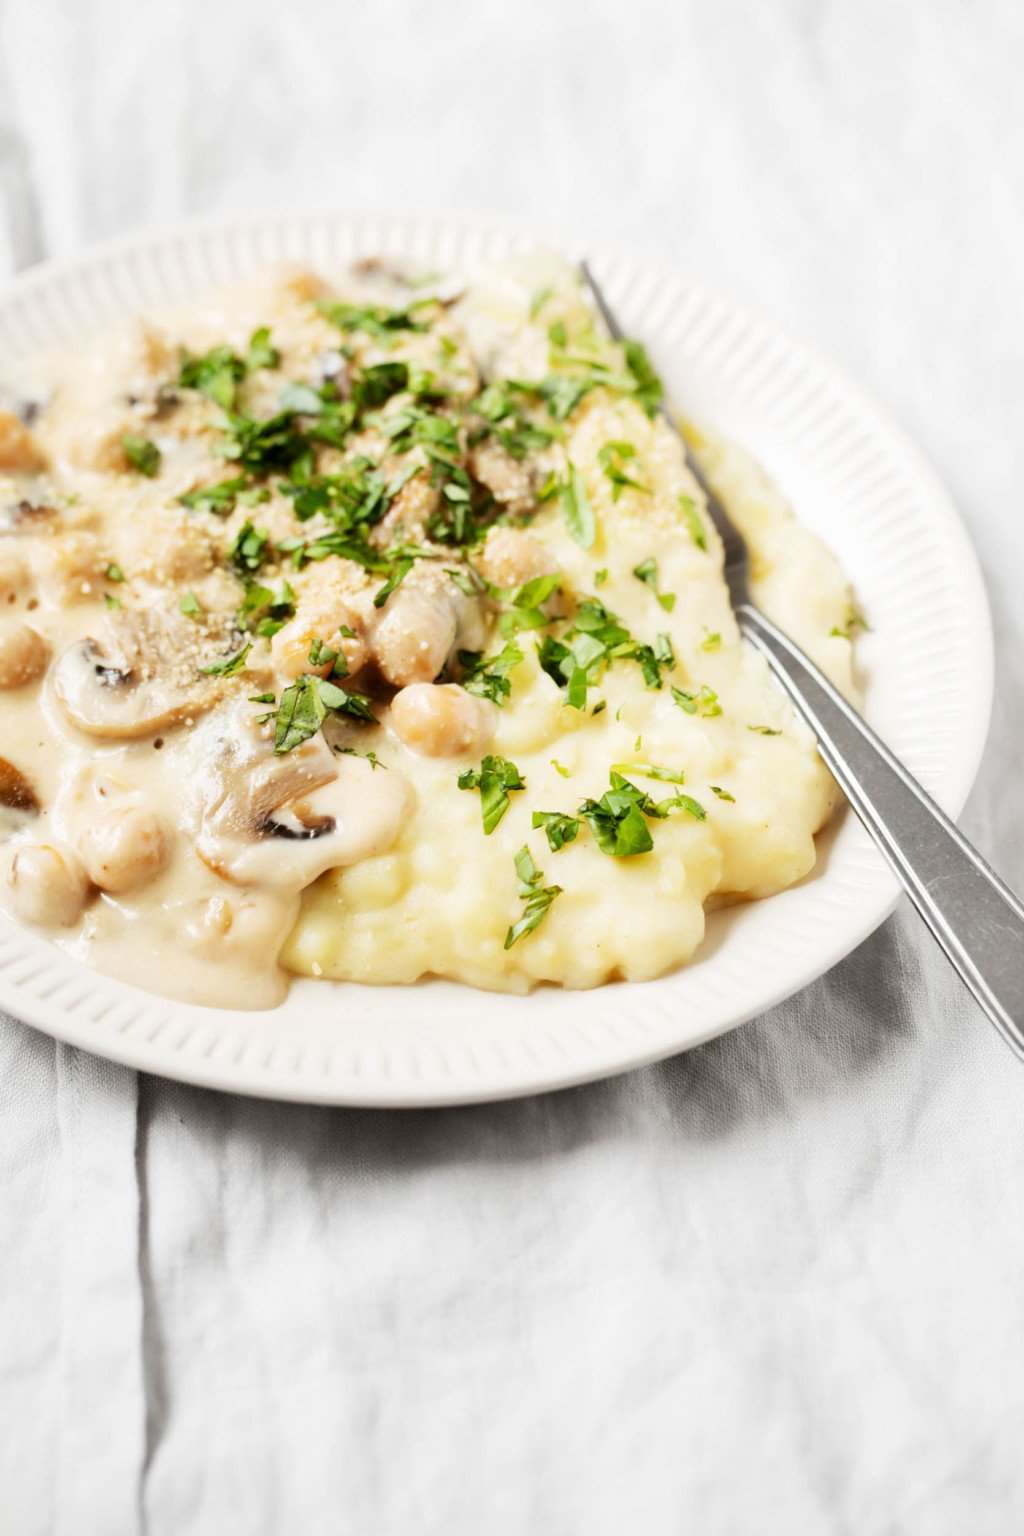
376, 629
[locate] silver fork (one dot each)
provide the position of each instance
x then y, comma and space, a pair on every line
977, 919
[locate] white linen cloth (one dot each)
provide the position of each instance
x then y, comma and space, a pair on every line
773, 1285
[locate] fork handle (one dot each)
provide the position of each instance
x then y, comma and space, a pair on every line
977, 919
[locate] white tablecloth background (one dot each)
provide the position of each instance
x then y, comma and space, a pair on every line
774, 1285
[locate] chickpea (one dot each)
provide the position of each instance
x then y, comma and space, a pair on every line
413, 639
511, 557
297, 282
167, 546
69, 567
15, 576
442, 719
23, 654
19, 450
290, 646
49, 885
124, 849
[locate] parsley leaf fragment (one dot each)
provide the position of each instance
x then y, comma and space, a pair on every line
141, 453
576, 509
647, 572
488, 677
227, 666
558, 827
495, 777
537, 898
689, 510
612, 459
304, 707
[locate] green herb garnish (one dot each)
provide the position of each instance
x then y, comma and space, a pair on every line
227, 666
576, 509
248, 548
494, 779
648, 387
705, 700
304, 707
647, 572
143, 454
693, 522
488, 677
538, 898
558, 827
612, 459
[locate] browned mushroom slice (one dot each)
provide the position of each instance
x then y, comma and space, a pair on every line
282, 821
125, 686
20, 518
19, 451
18, 799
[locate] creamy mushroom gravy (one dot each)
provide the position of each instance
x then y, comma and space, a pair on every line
401, 597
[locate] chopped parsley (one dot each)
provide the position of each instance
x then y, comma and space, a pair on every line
227, 666
495, 778
558, 827
216, 498
705, 700
854, 620
595, 639
190, 606
375, 320
304, 707
723, 794
248, 549
141, 453
693, 522
218, 373
619, 819
576, 508
712, 640
764, 730
538, 299
537, 898
114, 572
525, 609
488, 677
612, 458
650, 771
647, 572
398, 574
370, 757
647, 385
266, 611
321, 655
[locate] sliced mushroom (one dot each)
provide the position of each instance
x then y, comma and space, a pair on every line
124, 687
26, 517
283, 820
27, 408
18, 800
19, 451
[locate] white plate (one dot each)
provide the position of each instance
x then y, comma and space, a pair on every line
926, 665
